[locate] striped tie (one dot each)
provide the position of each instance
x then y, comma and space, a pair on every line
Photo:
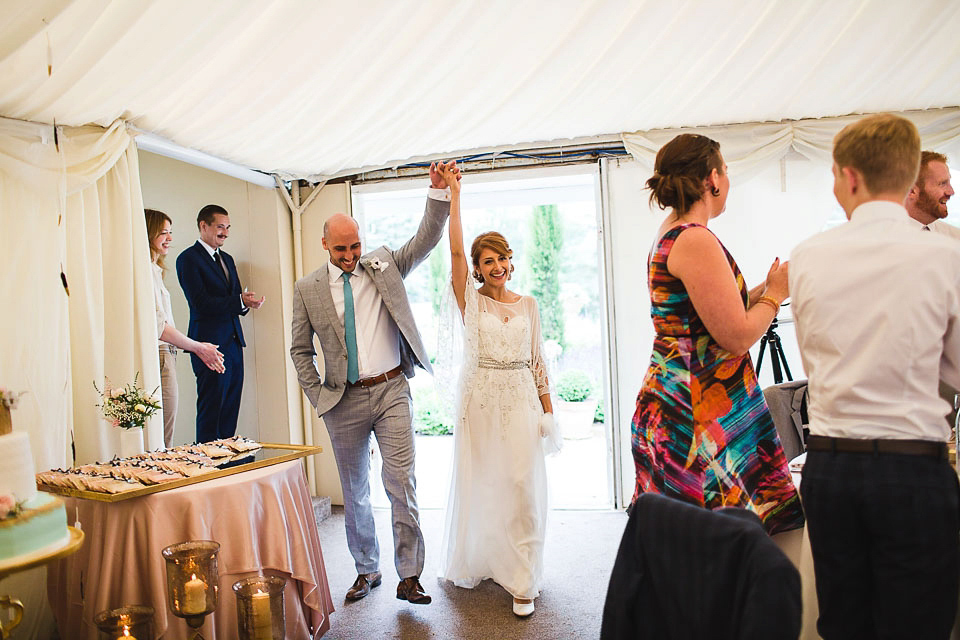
350, 330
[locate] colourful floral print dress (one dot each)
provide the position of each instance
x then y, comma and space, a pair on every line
702, 432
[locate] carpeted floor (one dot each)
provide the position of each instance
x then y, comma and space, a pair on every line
579, 553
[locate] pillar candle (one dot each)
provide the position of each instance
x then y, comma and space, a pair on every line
194, 596
262, 620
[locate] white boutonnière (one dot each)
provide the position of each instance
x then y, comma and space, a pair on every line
376, 263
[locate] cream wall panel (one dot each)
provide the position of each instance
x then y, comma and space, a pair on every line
261, 247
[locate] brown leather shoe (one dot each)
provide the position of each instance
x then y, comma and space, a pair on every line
361, 587
412, 591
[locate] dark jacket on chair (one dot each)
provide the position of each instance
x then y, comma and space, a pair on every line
683, 572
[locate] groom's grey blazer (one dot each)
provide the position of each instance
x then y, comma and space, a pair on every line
314, 312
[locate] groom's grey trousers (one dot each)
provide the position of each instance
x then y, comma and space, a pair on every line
384, 410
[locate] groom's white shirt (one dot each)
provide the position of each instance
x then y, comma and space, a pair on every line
378, 338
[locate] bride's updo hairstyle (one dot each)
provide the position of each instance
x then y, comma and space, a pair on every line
680, 169
493, 241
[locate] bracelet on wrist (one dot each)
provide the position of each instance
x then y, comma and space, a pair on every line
771, 302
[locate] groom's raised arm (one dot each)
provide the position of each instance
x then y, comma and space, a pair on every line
430, 231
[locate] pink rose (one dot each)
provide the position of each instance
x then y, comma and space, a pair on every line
7, 504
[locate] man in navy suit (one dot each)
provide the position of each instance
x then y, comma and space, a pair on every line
208, 277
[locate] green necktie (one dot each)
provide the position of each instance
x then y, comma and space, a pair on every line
350, 330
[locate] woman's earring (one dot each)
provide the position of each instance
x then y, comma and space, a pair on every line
715, 191
477, 277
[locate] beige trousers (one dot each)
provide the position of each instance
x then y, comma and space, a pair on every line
168, 391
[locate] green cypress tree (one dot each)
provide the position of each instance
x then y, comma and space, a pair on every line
546, 233
439, 275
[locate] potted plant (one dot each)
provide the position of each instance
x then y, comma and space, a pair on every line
575, 408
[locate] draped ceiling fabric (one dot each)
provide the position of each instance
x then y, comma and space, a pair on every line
324, 88
77, 209
747, 148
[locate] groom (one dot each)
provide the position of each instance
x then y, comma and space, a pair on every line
357, 307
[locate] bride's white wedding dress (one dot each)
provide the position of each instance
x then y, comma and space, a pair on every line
497, 507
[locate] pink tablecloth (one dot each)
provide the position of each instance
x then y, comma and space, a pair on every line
263, 520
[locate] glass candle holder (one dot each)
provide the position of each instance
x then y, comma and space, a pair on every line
192, 579
133, 622
260, 608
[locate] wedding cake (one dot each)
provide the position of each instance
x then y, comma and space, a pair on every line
30, 521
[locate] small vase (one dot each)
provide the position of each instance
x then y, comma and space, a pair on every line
6, 421
131, 442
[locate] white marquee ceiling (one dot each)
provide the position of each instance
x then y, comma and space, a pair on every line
321, 87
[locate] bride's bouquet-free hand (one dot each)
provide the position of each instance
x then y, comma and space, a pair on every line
127, 407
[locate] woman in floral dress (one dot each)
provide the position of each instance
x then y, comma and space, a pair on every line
702, 432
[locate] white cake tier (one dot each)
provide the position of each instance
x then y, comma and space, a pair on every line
17, 473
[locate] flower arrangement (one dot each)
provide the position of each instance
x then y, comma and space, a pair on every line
127, 407
9, 507
9, 399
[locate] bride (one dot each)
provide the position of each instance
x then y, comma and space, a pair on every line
497, 508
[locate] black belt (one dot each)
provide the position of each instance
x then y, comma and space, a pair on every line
926, 448
383, 377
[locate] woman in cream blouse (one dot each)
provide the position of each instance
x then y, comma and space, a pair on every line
159, 236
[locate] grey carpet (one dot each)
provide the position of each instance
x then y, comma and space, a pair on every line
579, 553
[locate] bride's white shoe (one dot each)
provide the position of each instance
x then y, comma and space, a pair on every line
522, 607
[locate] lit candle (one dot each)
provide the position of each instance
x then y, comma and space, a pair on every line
262, 620
194, 596
126, 634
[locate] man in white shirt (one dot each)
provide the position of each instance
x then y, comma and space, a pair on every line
356, 305
927, 199
877, 308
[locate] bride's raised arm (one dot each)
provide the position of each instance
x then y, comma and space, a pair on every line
458, 257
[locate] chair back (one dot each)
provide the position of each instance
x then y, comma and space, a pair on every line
683, 572
788, 408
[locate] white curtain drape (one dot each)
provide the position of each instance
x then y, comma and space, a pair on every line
72, 203
750, 147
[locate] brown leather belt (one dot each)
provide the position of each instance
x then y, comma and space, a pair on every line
383, 377
926, 448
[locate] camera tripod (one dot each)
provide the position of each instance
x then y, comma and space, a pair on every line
771, 341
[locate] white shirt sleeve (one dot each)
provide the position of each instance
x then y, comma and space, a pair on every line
443, 195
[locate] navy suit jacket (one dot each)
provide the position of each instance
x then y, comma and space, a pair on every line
683, 571
215, 306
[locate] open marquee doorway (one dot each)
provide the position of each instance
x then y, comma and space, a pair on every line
551, 219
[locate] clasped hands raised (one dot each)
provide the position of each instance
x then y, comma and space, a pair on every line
445, 175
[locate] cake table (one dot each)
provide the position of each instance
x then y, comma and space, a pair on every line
29, 561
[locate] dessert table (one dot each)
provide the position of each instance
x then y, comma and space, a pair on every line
263, 519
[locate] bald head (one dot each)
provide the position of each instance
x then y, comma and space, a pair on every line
341, 237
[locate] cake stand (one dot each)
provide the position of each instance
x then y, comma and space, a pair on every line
29, 561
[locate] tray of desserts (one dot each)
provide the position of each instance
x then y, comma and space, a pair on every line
165, 469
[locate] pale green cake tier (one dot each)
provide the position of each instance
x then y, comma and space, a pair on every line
40, 526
